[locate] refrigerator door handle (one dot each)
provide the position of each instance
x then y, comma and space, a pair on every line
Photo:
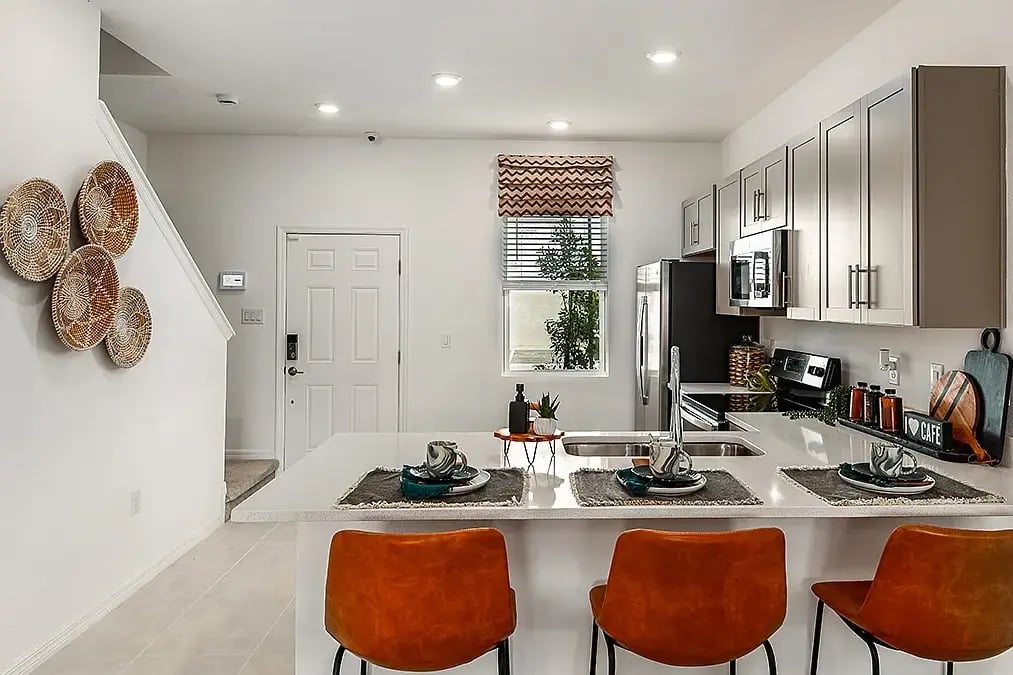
642, 353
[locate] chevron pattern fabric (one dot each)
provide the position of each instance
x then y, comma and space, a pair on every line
555, 185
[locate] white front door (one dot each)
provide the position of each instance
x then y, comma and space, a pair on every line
343, 304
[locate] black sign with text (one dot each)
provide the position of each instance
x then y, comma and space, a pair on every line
928, 430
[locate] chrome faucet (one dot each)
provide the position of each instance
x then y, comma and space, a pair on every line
675, 386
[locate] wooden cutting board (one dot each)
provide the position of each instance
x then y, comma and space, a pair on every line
992, 371
955, 398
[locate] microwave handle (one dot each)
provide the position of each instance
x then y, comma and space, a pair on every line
785, 289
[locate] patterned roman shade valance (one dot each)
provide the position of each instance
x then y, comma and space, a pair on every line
555, 185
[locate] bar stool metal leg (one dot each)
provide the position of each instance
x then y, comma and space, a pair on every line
594, 647
611, 645
949, 668
362, 667
337, 659
816, 638
503, 654
874, 653
771, 661
731, 668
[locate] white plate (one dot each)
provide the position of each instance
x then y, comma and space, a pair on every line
475, 483
675, 490
898, 490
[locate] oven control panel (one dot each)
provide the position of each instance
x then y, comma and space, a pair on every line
813, 370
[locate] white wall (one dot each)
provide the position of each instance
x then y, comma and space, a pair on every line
137, 140
78, 435
913, 32
228, 194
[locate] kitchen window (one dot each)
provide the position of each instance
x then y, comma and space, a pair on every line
555, 299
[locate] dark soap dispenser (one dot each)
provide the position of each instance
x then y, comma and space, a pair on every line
519, 412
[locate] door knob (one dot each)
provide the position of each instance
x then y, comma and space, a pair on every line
293, 371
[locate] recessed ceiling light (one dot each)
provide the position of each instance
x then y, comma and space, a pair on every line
559, 125
663, 56
328, 108
447, 80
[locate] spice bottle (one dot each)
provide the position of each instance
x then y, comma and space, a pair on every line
891, 410
872, 405
856, 412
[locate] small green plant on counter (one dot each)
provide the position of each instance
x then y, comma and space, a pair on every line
548, 406
761, 380
836, 407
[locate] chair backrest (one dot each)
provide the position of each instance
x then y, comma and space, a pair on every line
695, 599
943, 594
419, 602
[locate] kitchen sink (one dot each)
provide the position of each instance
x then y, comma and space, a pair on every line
606, 447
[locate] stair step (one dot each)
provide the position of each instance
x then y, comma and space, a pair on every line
243, 477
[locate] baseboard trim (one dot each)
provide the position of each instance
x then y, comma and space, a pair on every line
40, 654
249, 454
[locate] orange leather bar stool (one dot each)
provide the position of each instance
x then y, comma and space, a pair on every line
691, 599
939, 594
419, 602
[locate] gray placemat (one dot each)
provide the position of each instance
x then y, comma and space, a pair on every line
599, 487
381, 489
823, 482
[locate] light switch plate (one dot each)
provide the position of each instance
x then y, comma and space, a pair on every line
254, 317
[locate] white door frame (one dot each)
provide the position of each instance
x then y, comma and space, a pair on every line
280, 315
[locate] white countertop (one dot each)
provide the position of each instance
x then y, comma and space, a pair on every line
308, 490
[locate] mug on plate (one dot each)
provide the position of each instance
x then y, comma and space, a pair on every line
443, 459
892, 461
668, 460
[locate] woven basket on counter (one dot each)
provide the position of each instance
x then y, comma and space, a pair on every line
744, 360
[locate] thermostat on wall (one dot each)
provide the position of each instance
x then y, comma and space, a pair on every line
232, 281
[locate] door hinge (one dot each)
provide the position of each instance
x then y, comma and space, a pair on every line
399, 268
292, 237
399, 357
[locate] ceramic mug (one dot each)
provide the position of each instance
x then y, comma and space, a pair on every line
892, 461
443, 459
668, 460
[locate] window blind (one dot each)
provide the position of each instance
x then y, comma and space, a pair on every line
555, 252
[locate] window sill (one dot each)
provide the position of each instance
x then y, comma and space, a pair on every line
556, 374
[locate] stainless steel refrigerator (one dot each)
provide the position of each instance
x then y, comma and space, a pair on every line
676, 306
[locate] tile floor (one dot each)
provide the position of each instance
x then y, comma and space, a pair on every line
226, 608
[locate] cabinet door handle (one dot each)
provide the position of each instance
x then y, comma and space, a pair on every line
851, 286
696, 231
786, 289
763, 209
867, 271
755, 199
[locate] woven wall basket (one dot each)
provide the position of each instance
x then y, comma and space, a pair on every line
131, 331
107, 208
85, 297
35, 229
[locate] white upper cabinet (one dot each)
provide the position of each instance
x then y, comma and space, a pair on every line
728, 213
803, 216
698, 224
764, 193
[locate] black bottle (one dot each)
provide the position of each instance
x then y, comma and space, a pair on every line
519, 413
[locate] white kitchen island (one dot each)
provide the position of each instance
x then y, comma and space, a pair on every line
558, 549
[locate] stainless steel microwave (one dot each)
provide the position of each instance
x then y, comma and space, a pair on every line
759, 270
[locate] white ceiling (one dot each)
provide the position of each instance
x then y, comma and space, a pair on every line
523, 62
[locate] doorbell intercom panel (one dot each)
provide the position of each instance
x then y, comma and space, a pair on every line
292, 347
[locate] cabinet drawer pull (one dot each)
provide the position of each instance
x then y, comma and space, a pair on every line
851, 286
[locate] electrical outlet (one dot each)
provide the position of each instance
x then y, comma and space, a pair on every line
253, 317
935, 372
135, 502
894, 377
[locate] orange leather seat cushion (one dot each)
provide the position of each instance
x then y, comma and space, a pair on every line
844, 597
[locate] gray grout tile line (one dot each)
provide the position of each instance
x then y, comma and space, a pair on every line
201, 597
266, 635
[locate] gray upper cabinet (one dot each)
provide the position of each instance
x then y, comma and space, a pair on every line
912, 219
698, 224
728, 213
764, 193
886, 277
802, 287
841, 214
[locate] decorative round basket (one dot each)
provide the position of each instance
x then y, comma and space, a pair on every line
131, 331
85, 297
743, 361
107, 208
35, 229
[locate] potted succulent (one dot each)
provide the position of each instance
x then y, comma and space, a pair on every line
545, 423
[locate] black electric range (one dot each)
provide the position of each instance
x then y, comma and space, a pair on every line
803, 382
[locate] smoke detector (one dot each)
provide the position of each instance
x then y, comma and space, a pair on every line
227, 99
